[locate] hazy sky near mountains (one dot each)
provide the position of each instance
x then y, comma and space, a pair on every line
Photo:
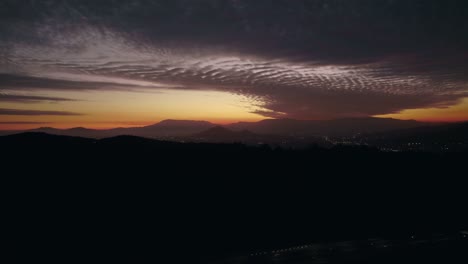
122, 63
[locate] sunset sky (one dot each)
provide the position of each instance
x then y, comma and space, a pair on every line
103, 64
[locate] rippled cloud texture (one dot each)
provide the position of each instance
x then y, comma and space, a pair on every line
295, 59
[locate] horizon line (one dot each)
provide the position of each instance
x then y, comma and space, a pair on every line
201, 120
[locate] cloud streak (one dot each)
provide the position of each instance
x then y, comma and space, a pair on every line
21, 112
63, 81
32, 99
22, 122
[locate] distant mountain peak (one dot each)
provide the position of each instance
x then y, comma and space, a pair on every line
174, 122
79, 128
283, 127
220, 134
216, 131
219, 129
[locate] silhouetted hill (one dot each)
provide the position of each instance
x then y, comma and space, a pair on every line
446, 132
218, 130
337, 127
165, 128
49, 130
129, 140
170, 128
30, 139
223, 135
75, 132
182, 123
446, 137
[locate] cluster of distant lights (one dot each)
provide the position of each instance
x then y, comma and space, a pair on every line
298, 248
372, 242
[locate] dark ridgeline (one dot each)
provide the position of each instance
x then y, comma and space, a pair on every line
279, 127
131, 198
384, 133
163, 129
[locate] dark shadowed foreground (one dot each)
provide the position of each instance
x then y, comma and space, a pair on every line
141, 200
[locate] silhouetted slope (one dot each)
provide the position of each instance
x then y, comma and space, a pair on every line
447, 137
219, 131
338, 127
30, 139
49, 130
223, 135
183, 123
74, 132
169, 128
165, 128
446, 132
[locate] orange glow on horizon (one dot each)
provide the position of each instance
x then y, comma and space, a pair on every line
110, 125
111, 109
454, 113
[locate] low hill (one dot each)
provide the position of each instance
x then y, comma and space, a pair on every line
165, 128
446, 137
223, 135
337, 127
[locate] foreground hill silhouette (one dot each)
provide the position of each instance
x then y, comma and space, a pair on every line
221, 134
135, 198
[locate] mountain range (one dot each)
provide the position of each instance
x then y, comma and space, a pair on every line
283, 127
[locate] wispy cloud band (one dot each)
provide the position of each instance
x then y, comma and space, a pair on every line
21, 112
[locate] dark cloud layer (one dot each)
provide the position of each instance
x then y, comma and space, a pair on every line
4, 111
31, 99
22, 123
301, 59
80, 83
